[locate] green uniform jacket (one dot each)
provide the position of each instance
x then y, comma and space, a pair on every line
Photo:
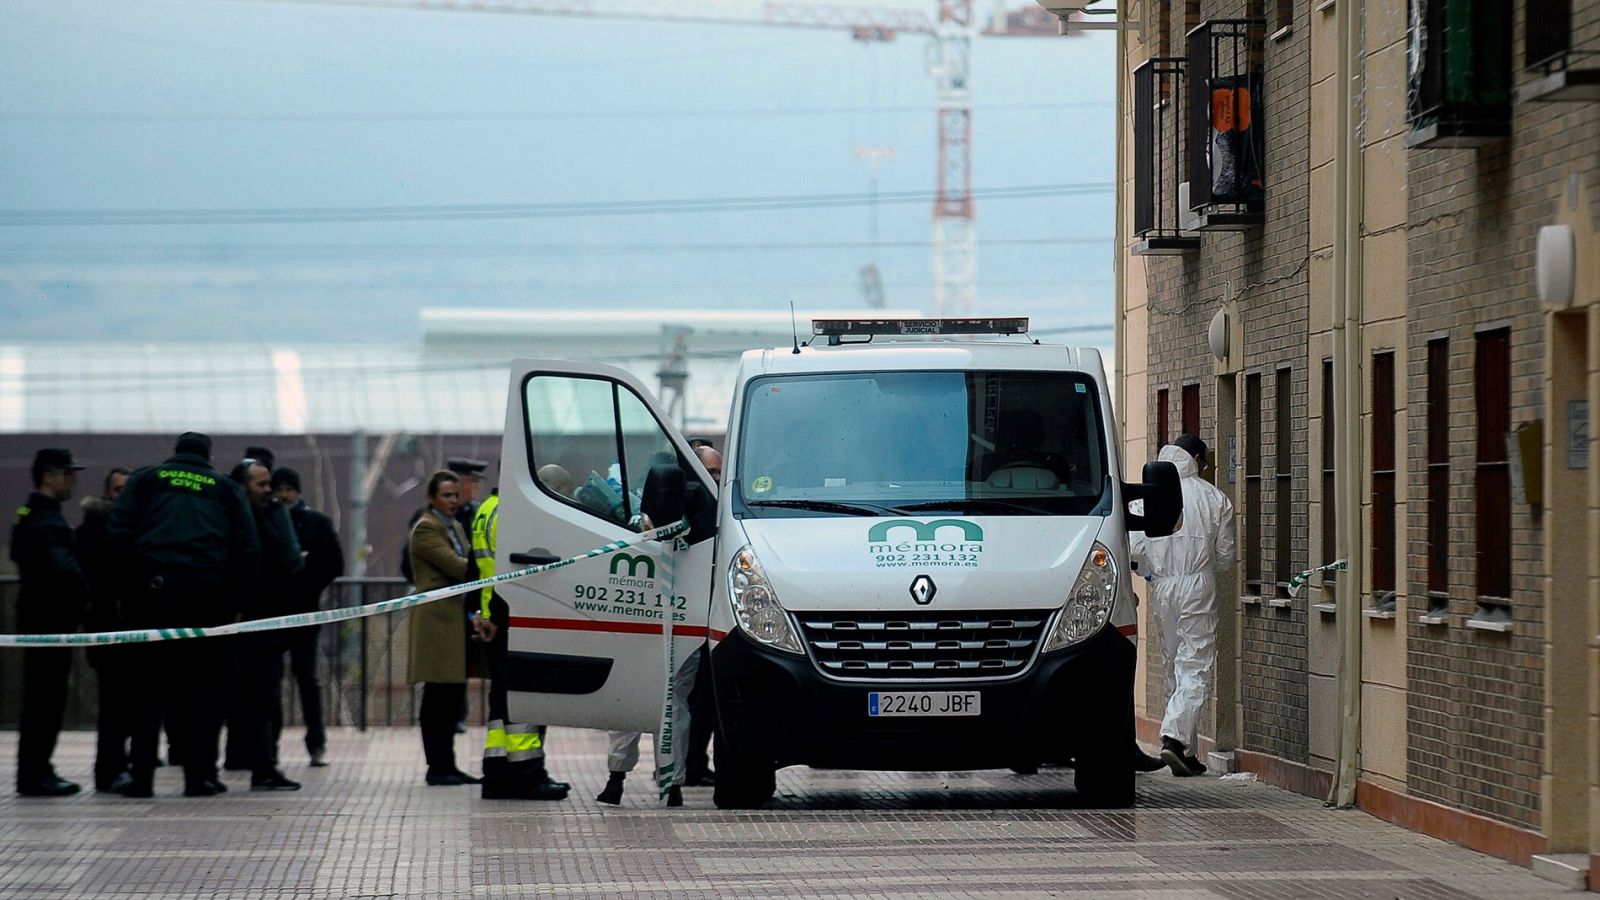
440, 644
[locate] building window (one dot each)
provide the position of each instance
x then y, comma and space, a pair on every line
1439, 472
1492, 478
1191, 409
1285, 17
1252, 483
1458, 59
1330, 521
1383, 479
1163, 435
1283, 489
1547, 39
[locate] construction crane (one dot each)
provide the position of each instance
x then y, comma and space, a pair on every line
951, 30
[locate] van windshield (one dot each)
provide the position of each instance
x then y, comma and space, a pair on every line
890, 443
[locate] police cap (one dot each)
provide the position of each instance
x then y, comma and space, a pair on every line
55, 458
462, 466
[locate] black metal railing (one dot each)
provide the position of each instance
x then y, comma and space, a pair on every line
1547, 41
361, 665
1459, 82
1158, 151
1226, 148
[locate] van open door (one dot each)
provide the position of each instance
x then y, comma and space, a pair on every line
586, 643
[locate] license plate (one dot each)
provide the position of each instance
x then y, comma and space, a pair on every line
924, 703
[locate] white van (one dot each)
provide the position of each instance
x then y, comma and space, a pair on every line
917, 559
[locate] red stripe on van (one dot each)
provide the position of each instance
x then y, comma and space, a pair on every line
1125, 630
613, 627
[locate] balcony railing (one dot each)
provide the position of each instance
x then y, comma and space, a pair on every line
1158, 157
1459, 78
361, 665
1548, 51
1226, 147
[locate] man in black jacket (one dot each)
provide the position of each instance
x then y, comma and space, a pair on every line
52, 598
189, 541
324, 562
115, 719
261, 653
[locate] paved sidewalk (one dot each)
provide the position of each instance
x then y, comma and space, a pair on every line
368, 827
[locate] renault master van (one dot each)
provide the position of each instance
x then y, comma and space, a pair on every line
918, 559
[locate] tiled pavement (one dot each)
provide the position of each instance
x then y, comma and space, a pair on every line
367, 827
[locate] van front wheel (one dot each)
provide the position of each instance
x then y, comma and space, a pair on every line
743, 782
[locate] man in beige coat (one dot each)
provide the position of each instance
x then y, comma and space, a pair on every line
446, 635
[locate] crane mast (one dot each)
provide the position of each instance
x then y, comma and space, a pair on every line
955, 216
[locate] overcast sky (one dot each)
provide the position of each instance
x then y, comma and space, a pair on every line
239, 104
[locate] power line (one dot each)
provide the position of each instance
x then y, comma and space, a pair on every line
526, 115
481, 211
530, 285
146, 251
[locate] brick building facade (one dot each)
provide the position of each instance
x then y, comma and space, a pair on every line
1255, 197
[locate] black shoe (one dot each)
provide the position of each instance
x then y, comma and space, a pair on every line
115, 785
47, 787
613, 792
674, 796
1144, 762
1179, 760
707, 778
450, 779
201, 789
134, 790
505, 789
217, 785
273, 781
461, 727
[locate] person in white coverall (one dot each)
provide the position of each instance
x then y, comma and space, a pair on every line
624, 753
1182, 568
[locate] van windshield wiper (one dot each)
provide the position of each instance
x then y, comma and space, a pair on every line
973, 505
833, 506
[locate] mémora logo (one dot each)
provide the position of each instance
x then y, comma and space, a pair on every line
925, 536
637, 566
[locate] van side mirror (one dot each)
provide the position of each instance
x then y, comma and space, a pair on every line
1162, 494
670, 494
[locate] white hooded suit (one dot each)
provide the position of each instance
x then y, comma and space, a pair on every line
1183, 569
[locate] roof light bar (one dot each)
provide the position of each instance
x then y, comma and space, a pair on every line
835, 328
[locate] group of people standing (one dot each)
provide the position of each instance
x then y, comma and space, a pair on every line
175, 545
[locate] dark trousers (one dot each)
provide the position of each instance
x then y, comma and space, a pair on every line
441, 709
180, 680
260, 682
116, 715
44, 703
237, 752
702, 720
303, 644
499, 658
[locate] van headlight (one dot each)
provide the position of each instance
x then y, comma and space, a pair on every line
1089, 603
755, 604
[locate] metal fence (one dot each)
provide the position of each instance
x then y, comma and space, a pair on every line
361, 665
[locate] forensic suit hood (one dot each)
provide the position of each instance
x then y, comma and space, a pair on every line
1182, 568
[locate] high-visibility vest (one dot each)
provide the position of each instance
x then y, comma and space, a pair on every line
485, 536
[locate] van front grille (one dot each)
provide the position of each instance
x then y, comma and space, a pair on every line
923, 644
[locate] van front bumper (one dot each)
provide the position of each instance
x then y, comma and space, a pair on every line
1068, 704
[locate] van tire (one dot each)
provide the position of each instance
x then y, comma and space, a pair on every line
743, 782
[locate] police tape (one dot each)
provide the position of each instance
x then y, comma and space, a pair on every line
322, 617
1300, 578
